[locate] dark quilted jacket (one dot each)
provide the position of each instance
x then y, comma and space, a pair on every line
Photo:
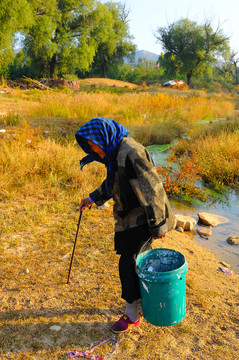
138, 193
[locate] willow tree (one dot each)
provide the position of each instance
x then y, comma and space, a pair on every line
118, 44
189, 47
65, 34
15, 15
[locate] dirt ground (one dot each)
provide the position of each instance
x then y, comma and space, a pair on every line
36, 298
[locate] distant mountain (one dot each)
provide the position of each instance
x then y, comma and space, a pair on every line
144, 54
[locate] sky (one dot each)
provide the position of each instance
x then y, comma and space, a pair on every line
146, 16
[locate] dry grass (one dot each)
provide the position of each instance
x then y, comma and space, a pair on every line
216, 155
150, 117
129, 109
106, 83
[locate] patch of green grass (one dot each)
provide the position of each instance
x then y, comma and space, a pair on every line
157, 148
12, 120
184, 329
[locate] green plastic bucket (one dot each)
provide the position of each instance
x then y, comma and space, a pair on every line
162, 275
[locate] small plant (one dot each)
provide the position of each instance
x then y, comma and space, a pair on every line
70, 77
3, 81
12, 120
182, 181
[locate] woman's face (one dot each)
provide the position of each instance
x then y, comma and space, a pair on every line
96, 149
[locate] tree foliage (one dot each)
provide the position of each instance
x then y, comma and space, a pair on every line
229, 67
118, 43
189, 48
15, 15
68, 34
64, 34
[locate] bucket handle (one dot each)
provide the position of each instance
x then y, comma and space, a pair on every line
141, 250
146, 243
176, 242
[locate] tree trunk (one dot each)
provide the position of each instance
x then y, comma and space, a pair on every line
53, 67
236, 74
189, 77
104, 68
104, 71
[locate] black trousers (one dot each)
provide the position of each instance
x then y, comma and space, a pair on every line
128, 277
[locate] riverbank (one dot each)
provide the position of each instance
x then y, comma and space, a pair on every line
34, 301
217, 241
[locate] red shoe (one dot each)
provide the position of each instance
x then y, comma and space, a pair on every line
124, 324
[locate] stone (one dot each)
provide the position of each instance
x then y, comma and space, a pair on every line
187, 223
211, 219
233, 240
204, 231
180, 229
55, 328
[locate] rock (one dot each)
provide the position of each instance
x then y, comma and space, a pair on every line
233, 240
204, 231
187, 223
55, 328
180, 229
211, 219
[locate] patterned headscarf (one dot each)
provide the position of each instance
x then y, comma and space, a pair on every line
107, 134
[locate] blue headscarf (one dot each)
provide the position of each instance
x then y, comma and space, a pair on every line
107, 134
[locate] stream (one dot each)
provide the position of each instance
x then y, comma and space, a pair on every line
230, 209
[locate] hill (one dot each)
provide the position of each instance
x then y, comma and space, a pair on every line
145, 54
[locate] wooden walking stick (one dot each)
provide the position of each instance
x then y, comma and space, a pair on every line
73, 252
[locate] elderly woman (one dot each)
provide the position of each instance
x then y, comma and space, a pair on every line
141, 208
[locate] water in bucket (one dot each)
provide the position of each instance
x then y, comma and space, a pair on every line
161, 275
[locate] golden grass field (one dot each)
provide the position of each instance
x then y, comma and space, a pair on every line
40, 189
